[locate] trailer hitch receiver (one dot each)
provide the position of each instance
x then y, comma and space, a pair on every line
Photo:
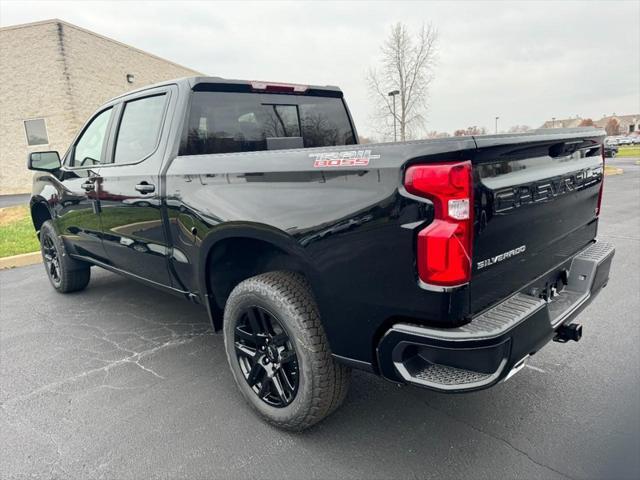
565, 333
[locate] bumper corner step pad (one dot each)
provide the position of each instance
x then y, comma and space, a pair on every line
597, 252
589, 270
436, 374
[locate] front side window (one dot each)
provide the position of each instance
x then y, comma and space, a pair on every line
223, 122
36, 131
139, 129
88, 148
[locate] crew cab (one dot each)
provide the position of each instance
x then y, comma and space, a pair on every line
438, 263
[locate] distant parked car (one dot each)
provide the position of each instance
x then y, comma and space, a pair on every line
610, 150
625, 141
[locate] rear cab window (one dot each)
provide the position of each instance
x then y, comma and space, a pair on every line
225, 122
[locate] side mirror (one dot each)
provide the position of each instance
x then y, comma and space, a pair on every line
45, 161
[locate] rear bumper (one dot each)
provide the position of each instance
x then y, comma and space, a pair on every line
495, 344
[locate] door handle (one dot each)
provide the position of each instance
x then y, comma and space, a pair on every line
145, 187
88, 186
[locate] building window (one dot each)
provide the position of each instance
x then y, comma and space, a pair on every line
36, 131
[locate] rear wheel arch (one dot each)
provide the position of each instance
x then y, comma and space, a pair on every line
236, 256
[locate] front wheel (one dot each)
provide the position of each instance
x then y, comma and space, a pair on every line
278, 351
65, 273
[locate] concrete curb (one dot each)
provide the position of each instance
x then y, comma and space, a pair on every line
21, 260
608, 170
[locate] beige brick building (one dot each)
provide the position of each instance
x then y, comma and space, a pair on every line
53, 76
627, 123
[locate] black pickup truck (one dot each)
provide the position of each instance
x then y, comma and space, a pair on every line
438, 263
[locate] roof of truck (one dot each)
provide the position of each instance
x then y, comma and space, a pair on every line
227, 81
199, 81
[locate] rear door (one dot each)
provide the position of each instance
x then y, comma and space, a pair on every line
132, 222
536, 200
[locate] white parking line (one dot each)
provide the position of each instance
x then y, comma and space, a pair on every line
535, 368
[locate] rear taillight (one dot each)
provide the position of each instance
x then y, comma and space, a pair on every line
445, 246
601, 182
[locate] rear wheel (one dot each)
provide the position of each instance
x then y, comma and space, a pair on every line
65, 273
278, 352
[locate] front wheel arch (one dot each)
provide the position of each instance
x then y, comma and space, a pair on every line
39, 214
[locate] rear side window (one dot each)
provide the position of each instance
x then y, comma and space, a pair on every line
139, 129
223, 122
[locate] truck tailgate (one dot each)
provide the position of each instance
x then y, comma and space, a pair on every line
536, 201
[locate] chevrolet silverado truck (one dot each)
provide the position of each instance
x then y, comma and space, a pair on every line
441, 263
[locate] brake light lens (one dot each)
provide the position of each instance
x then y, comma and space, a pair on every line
601, 183
444, 248
278, 87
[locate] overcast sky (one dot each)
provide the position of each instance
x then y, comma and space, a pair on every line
523, 62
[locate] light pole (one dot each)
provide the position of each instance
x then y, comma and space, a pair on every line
497, 118
393, 94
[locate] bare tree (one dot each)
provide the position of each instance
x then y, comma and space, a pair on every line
470, 131
407, 66
612, 127
586, 122
436, 134
519, 129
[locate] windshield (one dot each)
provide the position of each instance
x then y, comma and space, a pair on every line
223, 122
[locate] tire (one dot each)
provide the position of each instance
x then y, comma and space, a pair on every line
65, 273
317, 384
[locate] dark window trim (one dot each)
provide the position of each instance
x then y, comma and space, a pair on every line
351, 123
184, 136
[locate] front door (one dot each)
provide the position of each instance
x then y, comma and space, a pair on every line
131, 214
78, 219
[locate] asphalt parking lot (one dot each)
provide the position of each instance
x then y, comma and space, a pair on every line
122, 381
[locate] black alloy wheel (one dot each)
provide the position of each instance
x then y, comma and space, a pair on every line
65, 273
51, 260
266, 357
